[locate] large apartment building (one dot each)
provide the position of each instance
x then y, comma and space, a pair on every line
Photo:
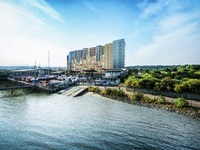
99, 58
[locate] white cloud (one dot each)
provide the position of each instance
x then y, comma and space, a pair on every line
26, 35
175, 36
23, 51
45, 8
161, 29
90, 6
178, 47
152, 9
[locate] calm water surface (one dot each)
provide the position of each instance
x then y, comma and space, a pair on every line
90, 122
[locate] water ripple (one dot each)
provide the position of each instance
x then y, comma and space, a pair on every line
86, 122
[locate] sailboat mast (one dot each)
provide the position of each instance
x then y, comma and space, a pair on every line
48, 62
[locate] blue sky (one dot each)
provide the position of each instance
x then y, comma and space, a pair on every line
156, 32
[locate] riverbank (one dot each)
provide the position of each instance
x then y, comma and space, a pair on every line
147, 102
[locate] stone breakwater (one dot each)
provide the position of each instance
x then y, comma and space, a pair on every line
188, 111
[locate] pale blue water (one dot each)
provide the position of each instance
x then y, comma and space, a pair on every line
90, 122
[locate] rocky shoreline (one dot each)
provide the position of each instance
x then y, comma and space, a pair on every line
187, 111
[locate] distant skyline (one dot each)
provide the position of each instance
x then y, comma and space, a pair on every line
156, 32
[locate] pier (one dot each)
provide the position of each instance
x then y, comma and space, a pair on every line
26, 85
16, 87
69, 90
19, 85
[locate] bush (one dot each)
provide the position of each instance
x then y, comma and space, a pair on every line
148, 99
97, 90
120, 93
131, 96
190, 85
180, 102
103, 92
91, 89
160, 100
138, 96
114, 92
108, 91
94, 89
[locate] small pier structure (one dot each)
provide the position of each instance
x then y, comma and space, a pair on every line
21, 85
16, 87
26, 85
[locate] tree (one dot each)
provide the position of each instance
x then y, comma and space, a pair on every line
190, 85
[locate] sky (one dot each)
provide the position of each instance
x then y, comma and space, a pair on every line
156, 32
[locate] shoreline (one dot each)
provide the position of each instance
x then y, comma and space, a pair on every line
187, 111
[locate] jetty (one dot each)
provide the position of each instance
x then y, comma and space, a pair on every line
68, 91
74, 91
20, 85
25, 79
16, 87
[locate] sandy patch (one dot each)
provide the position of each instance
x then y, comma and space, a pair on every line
96, 95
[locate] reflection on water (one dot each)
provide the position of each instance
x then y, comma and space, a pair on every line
38, 121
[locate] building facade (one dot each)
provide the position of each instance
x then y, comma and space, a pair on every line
99, 58
118, 53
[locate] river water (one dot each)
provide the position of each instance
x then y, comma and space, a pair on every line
39, 121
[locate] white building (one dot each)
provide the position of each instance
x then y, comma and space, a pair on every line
118, 53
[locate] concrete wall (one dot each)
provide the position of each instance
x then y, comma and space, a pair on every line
190, 96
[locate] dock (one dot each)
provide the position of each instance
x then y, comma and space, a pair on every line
16, 87
74, 91
69, 90
19, 82
26, 85
20, 85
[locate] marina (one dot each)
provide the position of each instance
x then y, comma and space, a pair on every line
100, 75
68, 90
52, 81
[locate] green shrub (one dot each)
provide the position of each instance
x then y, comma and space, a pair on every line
97, 90
91, 89
108, 91
138, 96
160, 100
180, 102
148, 99
131, 96
114, 92
103, 92
120, 93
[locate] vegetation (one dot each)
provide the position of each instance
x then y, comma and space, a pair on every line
180, 102
92, 89
114, 92
148, 99
181, 79
138, 96
108, 91
160, 100
179, 105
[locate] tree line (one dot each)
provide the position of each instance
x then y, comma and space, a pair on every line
185, 78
